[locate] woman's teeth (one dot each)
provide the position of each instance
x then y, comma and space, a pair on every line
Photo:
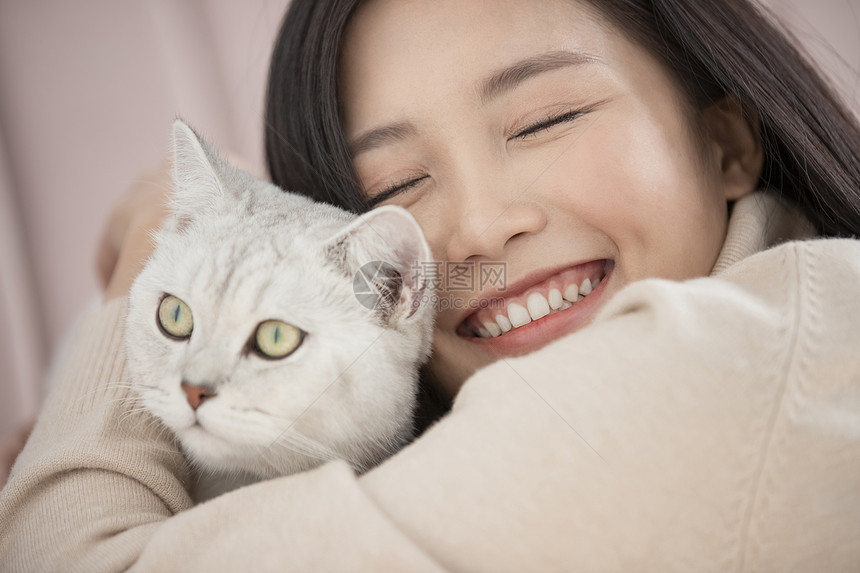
555, 299
518, 315
536, 307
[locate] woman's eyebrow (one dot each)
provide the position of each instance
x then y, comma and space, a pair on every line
381, 136
511, 76
496, 85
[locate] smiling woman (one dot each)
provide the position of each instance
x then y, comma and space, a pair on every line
667, 378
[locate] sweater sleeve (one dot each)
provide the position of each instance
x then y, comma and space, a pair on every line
87, 489
702, 426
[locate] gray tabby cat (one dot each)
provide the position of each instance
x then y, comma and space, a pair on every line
245, 336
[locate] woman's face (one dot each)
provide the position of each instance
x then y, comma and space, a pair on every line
539, 149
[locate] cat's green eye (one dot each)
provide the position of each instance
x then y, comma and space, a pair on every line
174, 318
276, 339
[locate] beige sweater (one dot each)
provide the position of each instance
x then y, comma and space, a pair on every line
712, 425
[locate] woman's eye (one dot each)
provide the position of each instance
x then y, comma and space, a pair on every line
546, 124
174, 318
395, 189
276, 339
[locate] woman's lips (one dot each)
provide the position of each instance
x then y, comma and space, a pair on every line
519, 324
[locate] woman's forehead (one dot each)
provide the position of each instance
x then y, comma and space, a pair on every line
399, 54
393, 37
458, 45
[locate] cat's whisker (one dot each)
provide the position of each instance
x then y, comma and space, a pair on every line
161, 434
87, 396
126, 414
134, 410
157, 433
261, 411
139, 385
131, 398
312, 448
157, 446
114, 385
268, 462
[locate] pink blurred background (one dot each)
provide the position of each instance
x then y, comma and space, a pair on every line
88, 91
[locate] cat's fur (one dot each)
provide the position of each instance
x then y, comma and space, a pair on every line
239, 251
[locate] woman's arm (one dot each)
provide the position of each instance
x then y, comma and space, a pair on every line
95, 474
690, 429
705, 426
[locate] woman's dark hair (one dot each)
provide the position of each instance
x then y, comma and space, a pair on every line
305, 148
715, 48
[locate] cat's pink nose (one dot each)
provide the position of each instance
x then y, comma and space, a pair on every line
196, 394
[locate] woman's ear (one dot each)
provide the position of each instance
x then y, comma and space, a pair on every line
735, 140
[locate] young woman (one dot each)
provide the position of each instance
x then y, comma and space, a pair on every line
695, 410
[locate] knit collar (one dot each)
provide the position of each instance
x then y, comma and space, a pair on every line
760, 221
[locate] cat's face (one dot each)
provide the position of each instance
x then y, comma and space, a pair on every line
246, 339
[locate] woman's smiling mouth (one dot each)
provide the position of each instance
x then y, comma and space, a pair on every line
538, 312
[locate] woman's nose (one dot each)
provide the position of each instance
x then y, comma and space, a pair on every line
488, 222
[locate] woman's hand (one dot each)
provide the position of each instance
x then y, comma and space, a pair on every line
126, 240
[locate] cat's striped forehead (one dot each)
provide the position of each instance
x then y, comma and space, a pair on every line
265, 261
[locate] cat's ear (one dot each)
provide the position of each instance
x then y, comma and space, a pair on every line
195, 175
385, 254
